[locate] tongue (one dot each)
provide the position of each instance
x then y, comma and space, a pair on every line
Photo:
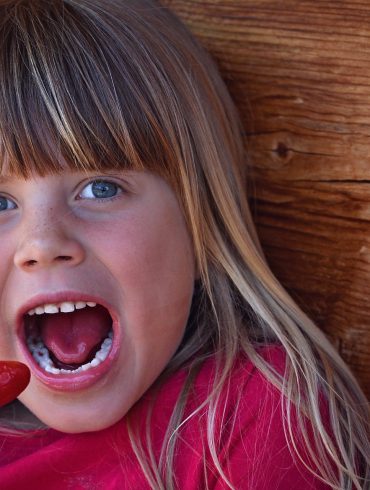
73, 337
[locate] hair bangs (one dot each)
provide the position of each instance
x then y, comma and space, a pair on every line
66, 101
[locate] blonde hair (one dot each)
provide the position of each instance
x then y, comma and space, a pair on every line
122, 84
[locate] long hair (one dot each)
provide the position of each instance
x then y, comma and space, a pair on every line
122, 84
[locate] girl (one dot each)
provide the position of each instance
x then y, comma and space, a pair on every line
163, 352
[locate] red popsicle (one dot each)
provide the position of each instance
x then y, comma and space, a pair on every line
14, 378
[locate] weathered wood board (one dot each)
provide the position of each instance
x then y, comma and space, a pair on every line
299, 72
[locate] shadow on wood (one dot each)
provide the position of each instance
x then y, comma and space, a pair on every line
299, 73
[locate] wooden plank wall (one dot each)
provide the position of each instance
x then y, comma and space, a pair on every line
299, 71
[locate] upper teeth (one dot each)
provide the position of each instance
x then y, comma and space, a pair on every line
65, 307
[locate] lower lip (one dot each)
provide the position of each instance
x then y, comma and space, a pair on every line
75, 381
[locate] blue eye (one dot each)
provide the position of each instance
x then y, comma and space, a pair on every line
6, 204
100, 189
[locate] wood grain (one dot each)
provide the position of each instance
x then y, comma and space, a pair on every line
299, 72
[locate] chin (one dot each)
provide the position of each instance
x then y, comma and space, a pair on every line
79, 423
75, 416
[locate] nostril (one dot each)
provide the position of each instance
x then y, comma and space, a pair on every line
31, 263
51, 249
64, 258
61, 258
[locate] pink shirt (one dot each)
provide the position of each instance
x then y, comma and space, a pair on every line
252, 450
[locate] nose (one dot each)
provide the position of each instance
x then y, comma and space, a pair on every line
48, 246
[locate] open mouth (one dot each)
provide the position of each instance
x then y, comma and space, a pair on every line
68, 337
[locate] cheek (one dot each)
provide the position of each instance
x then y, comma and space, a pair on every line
7, 278
161, 266
7, 246
153, 266
151, 257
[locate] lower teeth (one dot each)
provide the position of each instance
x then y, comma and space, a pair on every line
41, 355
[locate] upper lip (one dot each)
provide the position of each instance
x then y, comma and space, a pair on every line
59, 297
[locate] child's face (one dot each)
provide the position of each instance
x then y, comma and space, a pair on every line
121, 242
